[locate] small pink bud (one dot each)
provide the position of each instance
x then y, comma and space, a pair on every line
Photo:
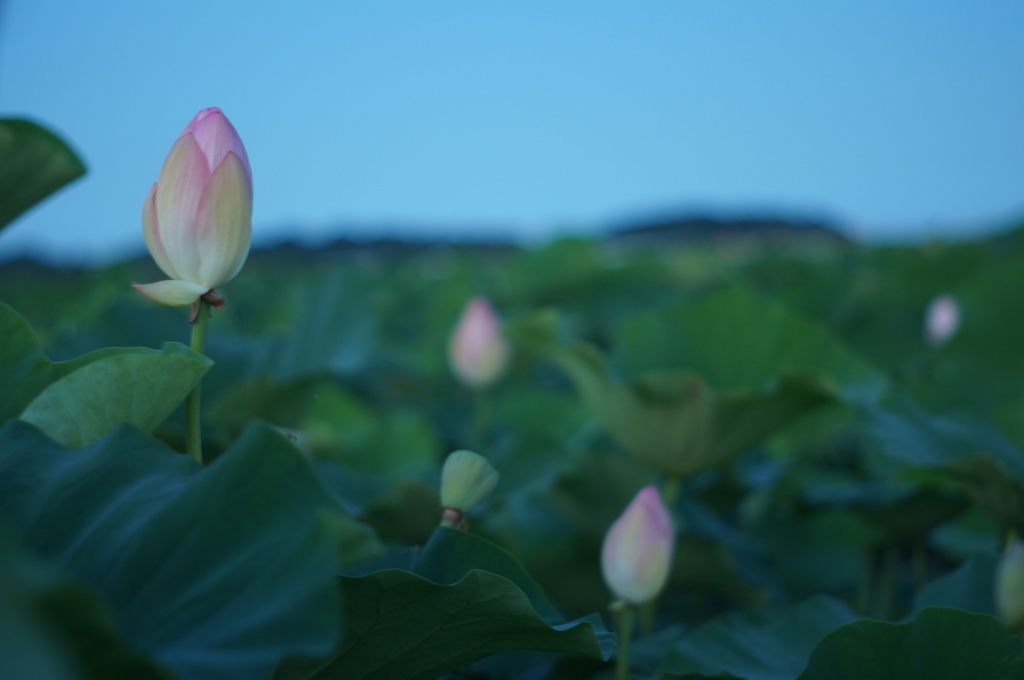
477, 350
942, 320
197, 217
637, 552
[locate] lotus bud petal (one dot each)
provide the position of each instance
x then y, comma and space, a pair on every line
172, 293
1009, 593
477, 350
197, 218
466, 479
637, 551
942, 320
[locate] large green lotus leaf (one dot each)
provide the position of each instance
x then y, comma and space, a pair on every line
974, 452
675, 422
133, 384
939, 644
972, 532
215, 572
24, 369
404, 627
971, 587
36, 163
767, 644
458, 599
142, 387
915, 436
52, 628
450, 554
738, 340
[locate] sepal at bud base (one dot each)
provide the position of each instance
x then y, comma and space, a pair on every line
1009, 593
637, 551
171, 293
466, 479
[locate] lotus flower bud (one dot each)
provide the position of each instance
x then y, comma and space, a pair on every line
466, 479
942, 320
1009, 593
477, 350
637, 551
197, 217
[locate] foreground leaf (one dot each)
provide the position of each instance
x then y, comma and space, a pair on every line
939, 644
216, 572
142, 387
24, 369
971, 587
402, 625
36, 163
54, 629
757, 645
139, 390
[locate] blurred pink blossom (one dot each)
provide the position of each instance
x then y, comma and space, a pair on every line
942, 320
637, 552
477, 350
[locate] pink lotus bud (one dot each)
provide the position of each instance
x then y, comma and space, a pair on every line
1009, 593
637, 552
942, 320
477, 350
197, 218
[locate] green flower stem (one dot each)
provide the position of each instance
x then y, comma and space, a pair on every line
625, 631
878, 581
646, 613
483, 407
193, 433
669, 494
920, 563
670, 491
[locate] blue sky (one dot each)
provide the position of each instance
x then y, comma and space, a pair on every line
895, 119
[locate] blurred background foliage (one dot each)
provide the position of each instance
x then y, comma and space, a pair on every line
346, 350
827, 463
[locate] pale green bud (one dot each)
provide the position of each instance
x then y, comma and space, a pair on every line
466, 479
1010, 586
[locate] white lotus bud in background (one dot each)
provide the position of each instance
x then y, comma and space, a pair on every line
637, 552
477, 351
941, 320
1009, 593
